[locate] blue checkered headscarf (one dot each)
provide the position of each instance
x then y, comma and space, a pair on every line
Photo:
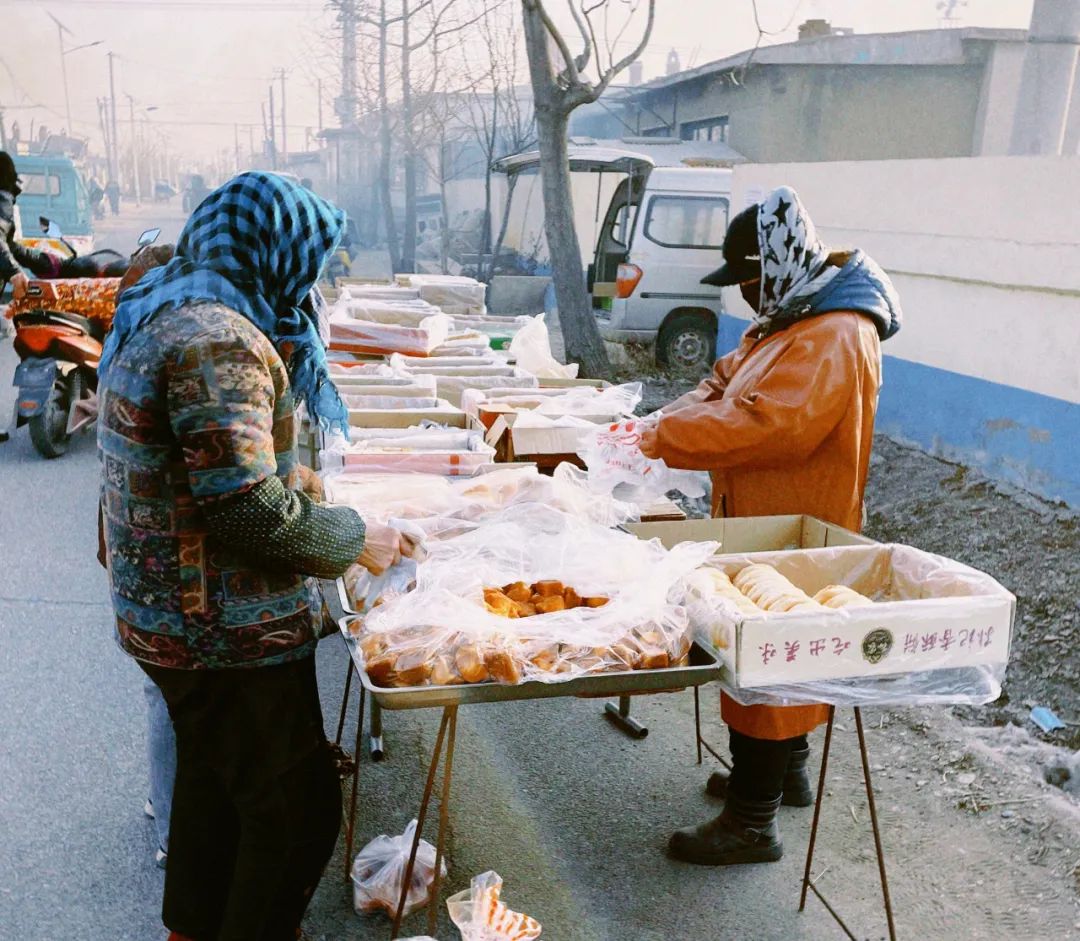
256, 245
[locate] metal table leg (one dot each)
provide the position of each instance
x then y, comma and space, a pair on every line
620, 717
450, 712
375, 740
444, 825
874, 824
344, 702
701, 743
807, 883
350, 824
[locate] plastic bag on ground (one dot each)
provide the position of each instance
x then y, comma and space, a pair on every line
480, 914
531, 348
378, 874
617, 466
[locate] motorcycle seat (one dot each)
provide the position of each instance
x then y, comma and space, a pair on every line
92, 328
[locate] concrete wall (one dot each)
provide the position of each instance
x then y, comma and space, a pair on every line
985, 253
843, 112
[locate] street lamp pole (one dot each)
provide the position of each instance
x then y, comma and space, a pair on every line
61, 29
134, 150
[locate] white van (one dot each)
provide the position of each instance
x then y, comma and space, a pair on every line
661, 235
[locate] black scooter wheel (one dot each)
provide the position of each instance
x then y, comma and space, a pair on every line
48, 431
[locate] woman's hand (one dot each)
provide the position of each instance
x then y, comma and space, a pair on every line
311, 483
650, 441
383, 547
19, 283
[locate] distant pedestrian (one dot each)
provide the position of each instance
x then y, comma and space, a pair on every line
214, 547
112, 194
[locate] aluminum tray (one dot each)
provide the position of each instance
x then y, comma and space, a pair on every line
345, 601
704, 668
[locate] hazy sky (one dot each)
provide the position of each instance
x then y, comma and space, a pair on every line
197, 62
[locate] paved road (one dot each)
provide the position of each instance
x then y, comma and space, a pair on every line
573, 815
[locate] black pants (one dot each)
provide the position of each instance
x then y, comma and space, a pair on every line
758, 765
257, 805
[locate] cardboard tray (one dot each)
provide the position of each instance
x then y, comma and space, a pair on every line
752, 533
703, 669
444, 414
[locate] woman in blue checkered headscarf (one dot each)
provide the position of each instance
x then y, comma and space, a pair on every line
256, 245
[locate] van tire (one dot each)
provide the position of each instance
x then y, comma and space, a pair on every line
687, 341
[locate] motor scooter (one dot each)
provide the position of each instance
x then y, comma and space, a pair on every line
60, 327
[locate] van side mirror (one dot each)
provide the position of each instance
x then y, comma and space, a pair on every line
149, 237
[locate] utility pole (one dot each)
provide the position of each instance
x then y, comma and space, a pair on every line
320, 106
134, 151
114, 169
236, 142
61, 29
251, 139
273, 135
284, 126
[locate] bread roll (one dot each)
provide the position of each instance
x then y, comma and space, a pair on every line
502, 666
840, 596
549, 604
549, 589
470, 664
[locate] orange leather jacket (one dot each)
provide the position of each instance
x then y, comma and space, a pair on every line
785, 424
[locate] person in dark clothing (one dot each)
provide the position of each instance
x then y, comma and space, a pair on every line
15, 256
214, 542
112, 194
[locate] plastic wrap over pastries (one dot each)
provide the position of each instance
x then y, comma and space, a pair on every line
534, 594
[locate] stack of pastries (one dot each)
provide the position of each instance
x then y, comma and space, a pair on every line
759, 587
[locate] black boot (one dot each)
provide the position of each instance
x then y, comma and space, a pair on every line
797, 790
746, 832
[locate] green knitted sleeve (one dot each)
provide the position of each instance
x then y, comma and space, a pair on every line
287, 529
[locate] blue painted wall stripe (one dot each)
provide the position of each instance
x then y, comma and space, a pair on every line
1010, 434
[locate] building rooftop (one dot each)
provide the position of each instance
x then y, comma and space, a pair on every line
918, 47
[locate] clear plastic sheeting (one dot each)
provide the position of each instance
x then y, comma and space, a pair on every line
617, 466
455, 294
444, 507
480, 914
936, 631
351, 335
378, 874
531, 349
448, 629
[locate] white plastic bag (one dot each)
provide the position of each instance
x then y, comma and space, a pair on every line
481, 915
378, 874
617, 466
598, 602
531, 348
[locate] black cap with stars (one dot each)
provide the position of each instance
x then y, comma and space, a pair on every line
742, 256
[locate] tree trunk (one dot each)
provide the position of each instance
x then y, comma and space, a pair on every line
408, 235
444, 229
511, 182
385, 145
580, 332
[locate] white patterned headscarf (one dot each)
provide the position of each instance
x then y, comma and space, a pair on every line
794, 260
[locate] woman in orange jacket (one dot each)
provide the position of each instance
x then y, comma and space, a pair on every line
784, 424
